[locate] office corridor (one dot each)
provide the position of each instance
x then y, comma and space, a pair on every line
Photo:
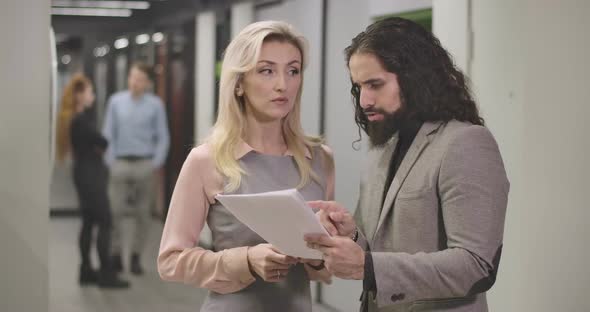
147, 292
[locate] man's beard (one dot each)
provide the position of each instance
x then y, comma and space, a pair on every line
381, 131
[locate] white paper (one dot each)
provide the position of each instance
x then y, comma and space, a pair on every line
282, 218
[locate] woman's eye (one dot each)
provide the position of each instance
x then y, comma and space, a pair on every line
294, 72
265, 71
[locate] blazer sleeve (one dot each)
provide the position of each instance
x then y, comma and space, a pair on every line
179, 259
358, 219
473, 190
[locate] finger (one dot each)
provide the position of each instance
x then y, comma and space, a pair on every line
281, 258
317, 204
336, 216
275, 275
327, 223
303, 260
319, 239
275, 272
327, 206
323, 249
344, 227
278, 266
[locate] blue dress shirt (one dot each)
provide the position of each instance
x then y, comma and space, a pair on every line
136, 127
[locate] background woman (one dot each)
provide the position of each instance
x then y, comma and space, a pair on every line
77, 132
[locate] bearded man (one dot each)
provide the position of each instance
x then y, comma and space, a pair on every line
427, 232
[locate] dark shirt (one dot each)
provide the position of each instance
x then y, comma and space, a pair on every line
407, 132
87, 143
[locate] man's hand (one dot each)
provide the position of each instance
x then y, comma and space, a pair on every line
342, 256
334, 217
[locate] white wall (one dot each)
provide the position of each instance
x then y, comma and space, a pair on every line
24, 146
345, 19
205, 24
383, 7
205, 73
529, 72
305, 16
453, 14
242, 14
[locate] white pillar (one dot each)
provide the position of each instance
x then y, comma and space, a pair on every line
204, 86
455, 14
242, 14
24, 146
204, 74
345, 19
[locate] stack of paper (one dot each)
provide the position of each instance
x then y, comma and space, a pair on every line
282, 218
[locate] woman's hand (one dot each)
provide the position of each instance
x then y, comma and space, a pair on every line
268, 263
314, 262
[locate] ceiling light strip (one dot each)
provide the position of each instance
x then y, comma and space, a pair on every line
132, 5
92, 12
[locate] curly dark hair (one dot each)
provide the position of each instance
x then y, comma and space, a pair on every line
431, 87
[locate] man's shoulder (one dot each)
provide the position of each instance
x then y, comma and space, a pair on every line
454, 129
463, 135
153, 98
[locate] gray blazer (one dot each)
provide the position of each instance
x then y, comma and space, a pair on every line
436, 240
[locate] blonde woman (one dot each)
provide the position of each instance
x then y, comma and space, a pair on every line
77, 134
256, 145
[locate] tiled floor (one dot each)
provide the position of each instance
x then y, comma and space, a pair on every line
147, 293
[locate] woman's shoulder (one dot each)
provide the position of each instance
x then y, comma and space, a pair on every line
324, 154
322, 150
201, 156
327, 150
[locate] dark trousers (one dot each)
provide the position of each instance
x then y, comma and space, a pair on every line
90, 180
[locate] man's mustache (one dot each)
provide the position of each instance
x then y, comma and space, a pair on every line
374, 110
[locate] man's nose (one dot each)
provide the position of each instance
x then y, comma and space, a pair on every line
366, 99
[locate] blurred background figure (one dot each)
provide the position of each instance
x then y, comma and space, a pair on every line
137, 130
77, 134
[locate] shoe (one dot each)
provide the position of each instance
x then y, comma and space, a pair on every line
111, 281
117, 263
87, 276
136, 265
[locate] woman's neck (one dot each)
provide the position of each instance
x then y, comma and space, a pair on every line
265, 137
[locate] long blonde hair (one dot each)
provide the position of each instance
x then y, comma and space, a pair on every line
240, 57
67, 110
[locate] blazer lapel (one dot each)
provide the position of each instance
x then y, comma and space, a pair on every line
377, 177
421, 140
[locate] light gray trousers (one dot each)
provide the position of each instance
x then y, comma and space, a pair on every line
131, 190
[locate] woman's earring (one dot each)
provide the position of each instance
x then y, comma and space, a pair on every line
239, 92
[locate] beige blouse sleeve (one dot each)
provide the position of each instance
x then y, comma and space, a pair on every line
180, 259
328, 160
